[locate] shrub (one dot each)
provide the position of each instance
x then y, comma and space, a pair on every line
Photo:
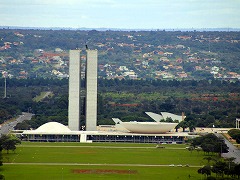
211, 178
233, 133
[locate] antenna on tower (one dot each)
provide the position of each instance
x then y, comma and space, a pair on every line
5, 88
5, 75
86, 44
77, 46
209, 44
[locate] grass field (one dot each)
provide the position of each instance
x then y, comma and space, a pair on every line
100, 161
42, 96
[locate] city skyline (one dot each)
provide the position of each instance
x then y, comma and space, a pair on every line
122, 14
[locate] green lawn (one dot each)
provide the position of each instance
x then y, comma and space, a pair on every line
53, 172
42, 96
100, 161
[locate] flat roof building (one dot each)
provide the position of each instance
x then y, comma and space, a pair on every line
56, 132
135, 132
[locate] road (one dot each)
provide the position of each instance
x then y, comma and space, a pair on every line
9, 125
233, 151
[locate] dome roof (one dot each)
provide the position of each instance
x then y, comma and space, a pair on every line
53, 127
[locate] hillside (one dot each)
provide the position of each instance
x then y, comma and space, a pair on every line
28, 53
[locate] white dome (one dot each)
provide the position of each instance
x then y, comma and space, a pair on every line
53, 127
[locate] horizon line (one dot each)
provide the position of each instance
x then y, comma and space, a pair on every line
123, 29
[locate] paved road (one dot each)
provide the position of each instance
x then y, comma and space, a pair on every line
9, 125
233, 151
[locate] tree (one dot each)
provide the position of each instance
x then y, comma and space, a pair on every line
191, 126
206, 170
211, 143
233, 133
9, 142
207, 147
177, 127
209, 158
231, 165
219, 168
238, 138
237, 170
168, 119
3, 114
183, 124
22, 126
191, 148
1, 176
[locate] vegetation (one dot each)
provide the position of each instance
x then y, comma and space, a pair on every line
155, 162
25, 53
99, 160
210, 143
9, 142
206, 101
29, 56
203, 102
223, 168
235, 134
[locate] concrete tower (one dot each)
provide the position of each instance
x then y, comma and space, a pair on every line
91, 90
74, 107
74, 90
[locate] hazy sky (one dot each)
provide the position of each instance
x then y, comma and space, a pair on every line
130, 14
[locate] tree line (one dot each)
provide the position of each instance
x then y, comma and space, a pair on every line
7, 142
205, 103
235, 134
223, 168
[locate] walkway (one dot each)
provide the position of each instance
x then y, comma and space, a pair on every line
89, 164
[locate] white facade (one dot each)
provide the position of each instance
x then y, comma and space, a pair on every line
172, 116
157, 127
91, 90
164, 115
74, 90
148, 127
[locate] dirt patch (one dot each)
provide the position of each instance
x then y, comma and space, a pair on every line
103, 171
229, 138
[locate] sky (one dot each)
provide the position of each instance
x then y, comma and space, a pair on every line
123, 14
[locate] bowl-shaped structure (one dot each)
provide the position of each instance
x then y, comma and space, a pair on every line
149, 127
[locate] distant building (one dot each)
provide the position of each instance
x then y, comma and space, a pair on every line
131, 132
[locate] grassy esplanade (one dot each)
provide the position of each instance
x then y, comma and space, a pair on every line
101, 161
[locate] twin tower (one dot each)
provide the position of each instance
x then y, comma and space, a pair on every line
75, 91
